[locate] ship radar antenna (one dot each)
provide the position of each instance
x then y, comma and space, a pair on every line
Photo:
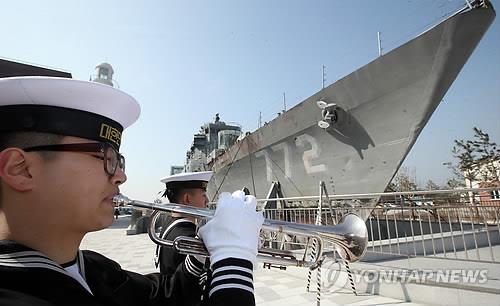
104, 74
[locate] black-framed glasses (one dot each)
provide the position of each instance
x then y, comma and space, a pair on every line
112, 159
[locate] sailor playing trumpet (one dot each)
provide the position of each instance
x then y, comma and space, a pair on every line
188, 189
60, 169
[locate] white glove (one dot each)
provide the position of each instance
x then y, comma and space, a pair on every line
234, 229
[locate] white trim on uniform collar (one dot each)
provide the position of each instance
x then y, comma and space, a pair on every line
175, 223
35, 259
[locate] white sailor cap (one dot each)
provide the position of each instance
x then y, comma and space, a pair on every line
188, 180
66, 107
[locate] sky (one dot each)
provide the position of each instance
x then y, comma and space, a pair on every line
184, 61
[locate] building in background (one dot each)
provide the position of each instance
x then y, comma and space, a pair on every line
488, 174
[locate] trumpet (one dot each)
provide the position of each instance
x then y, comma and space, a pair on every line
350, 236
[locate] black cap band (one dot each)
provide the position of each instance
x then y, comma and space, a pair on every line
172, 188
187, 184
61, 121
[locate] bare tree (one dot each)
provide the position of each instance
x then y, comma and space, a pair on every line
430, 185
457, 180
403, 181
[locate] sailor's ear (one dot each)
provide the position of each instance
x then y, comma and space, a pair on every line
186, 198
15, 169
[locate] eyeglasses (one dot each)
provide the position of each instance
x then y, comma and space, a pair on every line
111, 159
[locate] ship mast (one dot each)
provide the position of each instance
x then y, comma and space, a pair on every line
379, 44
323, 76
284, 103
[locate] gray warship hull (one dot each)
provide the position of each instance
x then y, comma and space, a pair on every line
380, 111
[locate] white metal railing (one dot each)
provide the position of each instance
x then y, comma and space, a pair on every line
442, 224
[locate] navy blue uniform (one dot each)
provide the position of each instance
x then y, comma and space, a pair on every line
30, 278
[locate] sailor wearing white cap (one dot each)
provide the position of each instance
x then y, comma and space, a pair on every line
189, 189
183, 188
60, 168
